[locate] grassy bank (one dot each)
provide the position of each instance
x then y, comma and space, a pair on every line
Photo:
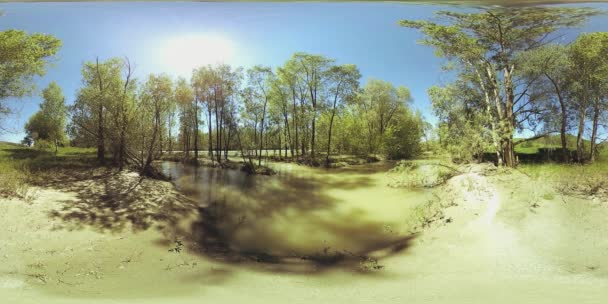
21, 166
575, 179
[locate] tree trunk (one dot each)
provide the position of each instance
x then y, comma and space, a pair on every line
331, 123
227, 141
217, 125
160, 140
564, 123
195, 127
495, 137
147, 165
314, 122
100, 137
262, 132
287, 135
580, 153
509, 147
210, 138
294, 147
596, 115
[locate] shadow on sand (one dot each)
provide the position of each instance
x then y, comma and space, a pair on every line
282, 224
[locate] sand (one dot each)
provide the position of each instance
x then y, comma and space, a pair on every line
504, 239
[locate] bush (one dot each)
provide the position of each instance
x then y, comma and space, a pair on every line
402, 140
44, 145
13, 180
420, 175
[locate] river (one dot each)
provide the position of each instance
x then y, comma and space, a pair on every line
300, 210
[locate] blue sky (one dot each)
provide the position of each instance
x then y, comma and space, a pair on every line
365, 34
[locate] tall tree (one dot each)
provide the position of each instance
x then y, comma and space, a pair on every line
156, 97
313, 69
550, 66
23, 56
49, 122
260, 80
588, 55
379, 102
487, 43
188, 115
344, 84
102, 87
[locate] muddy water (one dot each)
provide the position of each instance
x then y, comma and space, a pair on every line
299, 211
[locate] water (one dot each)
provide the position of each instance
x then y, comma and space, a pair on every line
299, 211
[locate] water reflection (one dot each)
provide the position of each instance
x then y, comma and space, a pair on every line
205, 184
300, 212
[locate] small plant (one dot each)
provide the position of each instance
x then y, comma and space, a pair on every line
369, 264
41, 277
179, 246
548, 196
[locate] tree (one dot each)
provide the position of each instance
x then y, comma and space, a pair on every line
102, 87
288, 76
402, 139
123, 112
188, 115
487, 43
217, 87
49, 122
313, 69
463, 130
588, 56
202, 79
344, 84
23, 56
379, 102
260, 80
155, 98
550, 66
280, 111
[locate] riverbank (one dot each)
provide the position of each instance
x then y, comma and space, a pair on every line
117, 238
236, 161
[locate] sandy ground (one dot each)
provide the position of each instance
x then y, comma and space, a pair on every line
503, 239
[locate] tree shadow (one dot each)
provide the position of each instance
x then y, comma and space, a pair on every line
269, 223
356, 245
113, 201
23, 153
286, 223
50, 169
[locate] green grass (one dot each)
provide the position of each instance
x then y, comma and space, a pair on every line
21, 166
587, 179
526, 150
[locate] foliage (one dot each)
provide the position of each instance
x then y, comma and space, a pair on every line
47, 126
421, 174
402, 139
463, 131
294, 111
484, 46
23, 56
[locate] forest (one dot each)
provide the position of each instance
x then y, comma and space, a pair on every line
511, 76
306, 110
310, 180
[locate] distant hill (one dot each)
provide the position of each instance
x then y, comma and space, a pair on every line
6, 143
552, 141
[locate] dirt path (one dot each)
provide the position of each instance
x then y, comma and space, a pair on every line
507, 239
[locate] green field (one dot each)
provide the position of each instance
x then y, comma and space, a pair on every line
21, 166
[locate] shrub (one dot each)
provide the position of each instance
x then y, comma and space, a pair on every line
13, 180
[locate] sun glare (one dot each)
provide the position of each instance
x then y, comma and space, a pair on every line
183, 53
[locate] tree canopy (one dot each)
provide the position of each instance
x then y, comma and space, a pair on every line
23, 56
484, 47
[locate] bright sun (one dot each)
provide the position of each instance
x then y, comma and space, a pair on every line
183, 53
